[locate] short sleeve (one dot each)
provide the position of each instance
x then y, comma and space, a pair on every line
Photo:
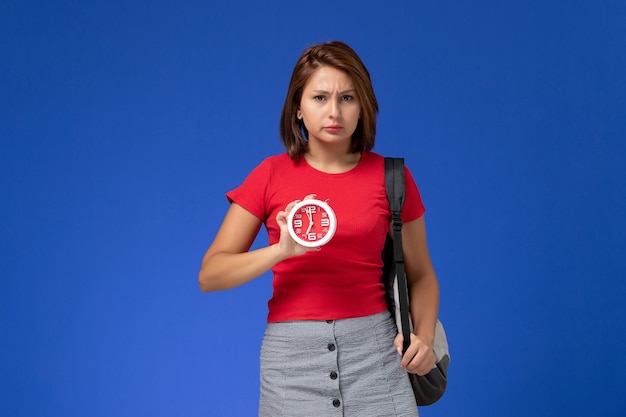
413, 207
251, 193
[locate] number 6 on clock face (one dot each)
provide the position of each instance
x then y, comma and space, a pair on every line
312, 223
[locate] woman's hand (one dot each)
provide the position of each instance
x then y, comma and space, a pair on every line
287, 245
419, 357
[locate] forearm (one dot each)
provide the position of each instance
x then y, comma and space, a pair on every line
424, 295
221, 271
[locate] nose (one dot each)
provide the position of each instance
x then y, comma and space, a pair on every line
334, 108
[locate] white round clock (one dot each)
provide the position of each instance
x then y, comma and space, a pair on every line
312, 223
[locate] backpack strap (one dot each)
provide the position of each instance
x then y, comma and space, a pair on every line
394, 183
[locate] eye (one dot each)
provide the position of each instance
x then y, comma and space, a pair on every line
319, 98
347, 98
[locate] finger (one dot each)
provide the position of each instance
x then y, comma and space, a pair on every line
421, 368
422, 363
415, 355
415, 365
397, 342
424, 370
411, 352
291, 205
282, 215
408, 357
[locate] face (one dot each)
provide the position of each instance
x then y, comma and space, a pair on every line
329, 108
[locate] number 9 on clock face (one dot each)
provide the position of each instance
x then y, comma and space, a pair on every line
312, 223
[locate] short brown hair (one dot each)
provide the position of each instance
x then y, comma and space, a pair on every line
337, 55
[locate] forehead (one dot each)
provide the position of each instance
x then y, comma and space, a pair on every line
329, 78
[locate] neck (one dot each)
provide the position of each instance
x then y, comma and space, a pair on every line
332, 162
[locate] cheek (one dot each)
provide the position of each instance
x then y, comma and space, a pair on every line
307, 114
354, 117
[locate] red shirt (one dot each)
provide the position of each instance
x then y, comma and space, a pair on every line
342, 280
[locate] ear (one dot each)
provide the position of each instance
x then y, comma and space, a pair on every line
299, 114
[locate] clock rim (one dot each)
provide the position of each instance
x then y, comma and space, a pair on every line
331, 229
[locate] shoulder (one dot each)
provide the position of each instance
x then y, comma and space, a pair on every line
372, 160
280, 158
380, 160
271, 164
279, 161
372, 157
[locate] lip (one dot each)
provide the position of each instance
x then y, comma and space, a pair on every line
333, 128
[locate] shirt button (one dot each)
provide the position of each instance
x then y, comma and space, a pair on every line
336, 402
333, 375
331, 346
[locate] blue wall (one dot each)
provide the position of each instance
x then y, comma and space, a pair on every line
122, 124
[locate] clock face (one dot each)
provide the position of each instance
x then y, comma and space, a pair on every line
311, 223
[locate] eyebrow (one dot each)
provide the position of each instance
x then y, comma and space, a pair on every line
351, 91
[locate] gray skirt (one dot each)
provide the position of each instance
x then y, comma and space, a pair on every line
334, 368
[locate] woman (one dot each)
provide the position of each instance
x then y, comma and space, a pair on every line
330, 346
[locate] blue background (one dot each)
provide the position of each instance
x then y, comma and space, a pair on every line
123, 124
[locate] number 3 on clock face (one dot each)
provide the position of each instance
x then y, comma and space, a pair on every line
312, 223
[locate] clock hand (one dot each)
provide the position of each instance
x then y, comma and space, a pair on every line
310, 216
